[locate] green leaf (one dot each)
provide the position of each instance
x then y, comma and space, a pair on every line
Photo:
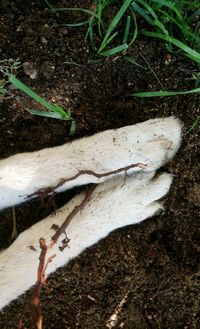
58, 112
114, 51
172, 6
127, 29
165, 93
53, 115
191, 53
193, 125
114, 23
72, 24
86, 11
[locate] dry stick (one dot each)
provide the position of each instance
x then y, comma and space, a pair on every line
48, 190
151, 69
36, 307
73, 213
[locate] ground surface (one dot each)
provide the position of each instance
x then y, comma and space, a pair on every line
151, 269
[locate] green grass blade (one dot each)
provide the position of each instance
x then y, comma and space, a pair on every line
99, 14
58, 109
145, 14
17, 83
90, 32
135, 33
52, 108
193, 125
127, 29
183, 27
165, 93
114, 23
142, 13
172, 6
114, 51
72, 24
133, 61
193, 54
86, 11
112, 37
53, 115
148, 8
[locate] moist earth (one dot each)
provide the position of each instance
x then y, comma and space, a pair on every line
142, 276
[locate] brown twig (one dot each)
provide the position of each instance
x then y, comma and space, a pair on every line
36, 307
49, 190
76, 209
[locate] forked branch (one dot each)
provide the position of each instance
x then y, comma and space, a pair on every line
36, 320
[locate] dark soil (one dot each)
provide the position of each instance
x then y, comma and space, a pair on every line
152, 269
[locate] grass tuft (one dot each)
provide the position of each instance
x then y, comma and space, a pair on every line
8, 68
175, 22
